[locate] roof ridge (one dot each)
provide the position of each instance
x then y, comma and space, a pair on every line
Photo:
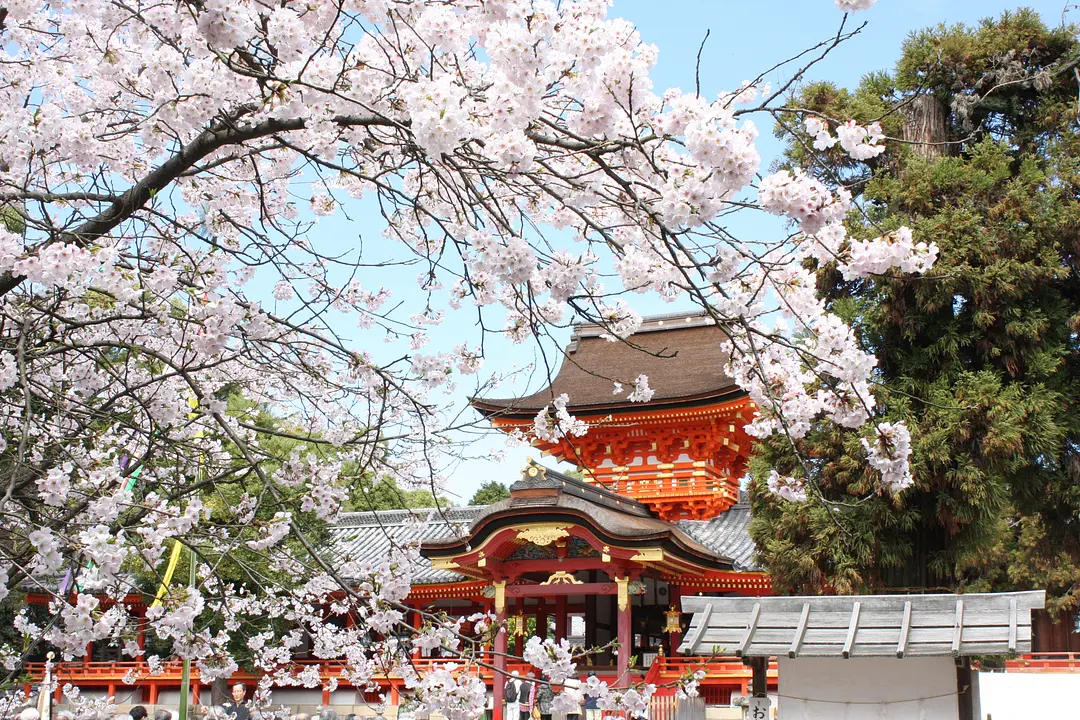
372, 517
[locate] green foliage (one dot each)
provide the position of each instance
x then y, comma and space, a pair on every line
490, 492
11, 221
385, 494
980, 356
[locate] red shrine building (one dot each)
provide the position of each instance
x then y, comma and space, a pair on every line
601, 557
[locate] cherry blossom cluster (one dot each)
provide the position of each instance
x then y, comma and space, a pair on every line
889, 454
554, 421
861, 143
786, 487
853, 5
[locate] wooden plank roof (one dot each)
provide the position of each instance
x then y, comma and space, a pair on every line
862, 625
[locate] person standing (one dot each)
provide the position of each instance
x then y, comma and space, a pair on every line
544, 697
511, 694
573, 686
526, 696
592, 704
237, 708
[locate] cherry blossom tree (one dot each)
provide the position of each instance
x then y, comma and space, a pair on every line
160, 162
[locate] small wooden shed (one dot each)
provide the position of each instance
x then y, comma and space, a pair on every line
885, 657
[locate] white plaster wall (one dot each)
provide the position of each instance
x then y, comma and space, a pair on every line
1016, 696
822, 688
296, 696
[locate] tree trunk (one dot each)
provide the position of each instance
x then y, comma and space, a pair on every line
219, 691
925, 125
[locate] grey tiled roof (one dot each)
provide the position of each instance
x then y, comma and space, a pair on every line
368, 535
727, 534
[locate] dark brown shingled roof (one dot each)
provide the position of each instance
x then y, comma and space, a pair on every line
681, 354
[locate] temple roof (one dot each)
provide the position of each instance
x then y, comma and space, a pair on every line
367, 536
548, 495
681, 355
863, 625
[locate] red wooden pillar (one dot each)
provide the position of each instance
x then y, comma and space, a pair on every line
194, 693
624, 636
140, 638
541, 620
561, 620
153, 694
325, 696
417, 623
498, 678
112, 690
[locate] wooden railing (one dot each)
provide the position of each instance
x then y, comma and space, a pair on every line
662, 669
669, 669
1044, 662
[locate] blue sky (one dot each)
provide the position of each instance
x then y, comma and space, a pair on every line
745, 38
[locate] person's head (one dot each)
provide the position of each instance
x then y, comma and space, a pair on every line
65, 715
239, 692
162, 714
138, 712
516, 674
532, 674
328, 714
30, 714
592, 673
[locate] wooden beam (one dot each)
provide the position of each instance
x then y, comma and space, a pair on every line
905, 628
696, 633
751, 628
1012, 625
853, 627
556, 589
800, 631
759, 667
958, 627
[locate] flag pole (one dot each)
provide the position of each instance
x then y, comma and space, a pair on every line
185, 675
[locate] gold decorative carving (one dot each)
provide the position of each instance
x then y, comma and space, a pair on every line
482, 561
500, 597
623, 584
649, 555
542, 534
561, 577
605, 557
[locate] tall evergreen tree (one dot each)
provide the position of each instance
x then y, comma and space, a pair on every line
979, 357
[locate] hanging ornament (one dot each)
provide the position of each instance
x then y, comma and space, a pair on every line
673, 621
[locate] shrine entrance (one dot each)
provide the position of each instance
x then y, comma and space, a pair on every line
566, 559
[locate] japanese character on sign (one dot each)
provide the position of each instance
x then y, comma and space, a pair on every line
757, 708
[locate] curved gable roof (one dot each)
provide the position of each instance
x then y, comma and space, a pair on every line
681, 354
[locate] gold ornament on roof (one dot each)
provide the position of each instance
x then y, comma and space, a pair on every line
561, 577
542, 534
